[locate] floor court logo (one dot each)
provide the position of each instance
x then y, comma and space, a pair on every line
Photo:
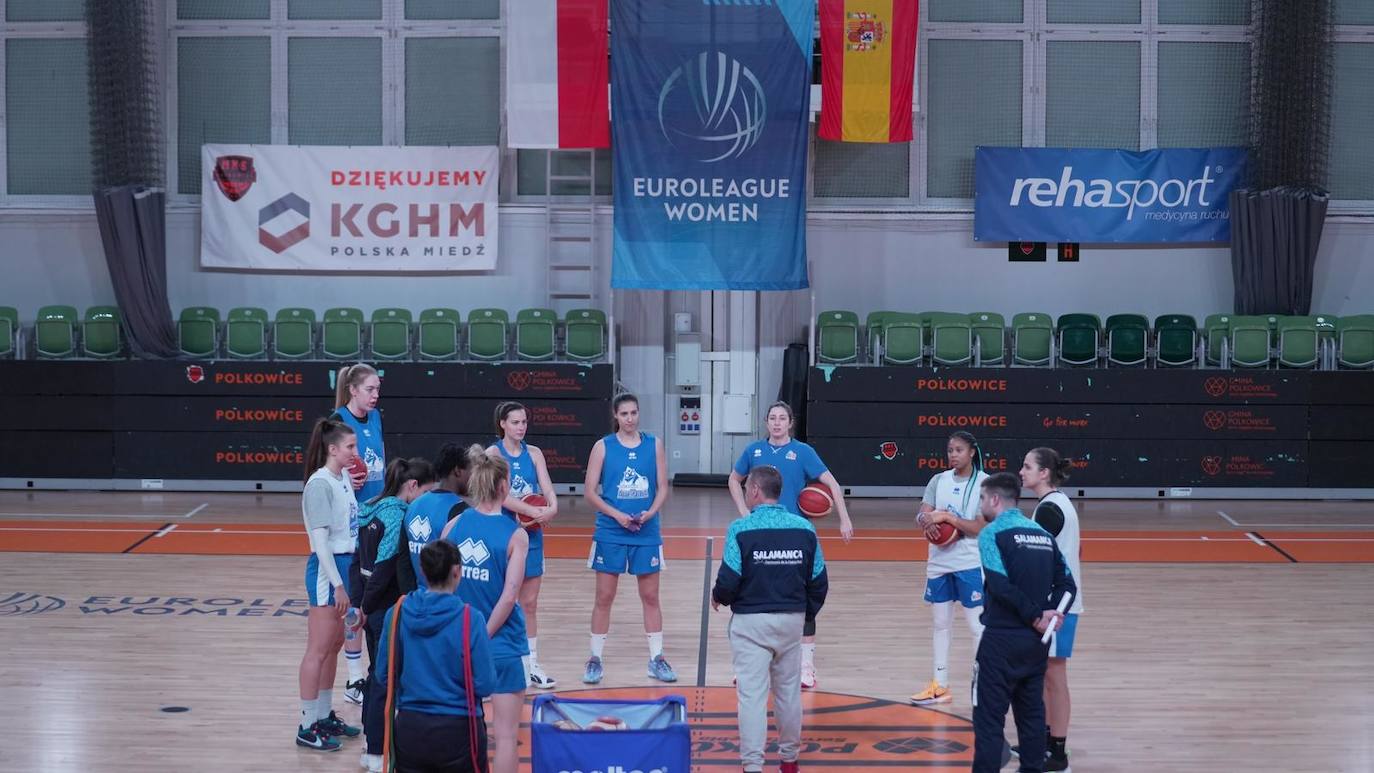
24, 603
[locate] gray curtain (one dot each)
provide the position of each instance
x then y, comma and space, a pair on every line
133, 229
1274, 239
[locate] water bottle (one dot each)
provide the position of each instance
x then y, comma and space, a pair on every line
351, 624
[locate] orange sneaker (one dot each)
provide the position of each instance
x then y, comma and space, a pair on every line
933, 693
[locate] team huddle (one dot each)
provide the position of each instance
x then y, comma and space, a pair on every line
438, 565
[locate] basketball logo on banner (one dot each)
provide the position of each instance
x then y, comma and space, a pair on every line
726, 98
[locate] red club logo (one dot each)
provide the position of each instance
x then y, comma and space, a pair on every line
519, 380
1214, 420
235, 175
1215, 386
888, 450
1211, 465
195, 374
1027, 248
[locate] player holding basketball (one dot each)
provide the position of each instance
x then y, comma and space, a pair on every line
493, 549
953, 571
331, 518
528, 475
1042, 472
357, 389
627, 484
798, 463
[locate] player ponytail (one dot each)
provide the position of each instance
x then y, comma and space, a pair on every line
1049, 459
350, 376
620, 399
437, 560
401, 470
971, 442
503, 410
327, 432
487, 476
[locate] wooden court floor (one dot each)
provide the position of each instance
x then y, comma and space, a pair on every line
1219, 636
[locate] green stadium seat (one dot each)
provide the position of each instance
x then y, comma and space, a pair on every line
928, 321
54, 331
439, 333
293, 334
585, 330
9, 331
1128, 339
1250, 341
1032, 339
901, 338
487, 334
245, 333
341, 333
101, 332
1299, 343
873, 327
1326, 338
198, 331
535, 334
990, 335
837, 337
1175, 340
391, 334
1078, 339
951, 339
1216, 329
1355, 341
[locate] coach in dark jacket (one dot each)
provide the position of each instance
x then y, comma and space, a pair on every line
773, 579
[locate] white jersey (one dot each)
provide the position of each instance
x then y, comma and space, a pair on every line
960, 497
1067, 539
328, 503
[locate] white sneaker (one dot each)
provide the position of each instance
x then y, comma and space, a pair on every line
540, 679
808, 676
354, 691
372, 763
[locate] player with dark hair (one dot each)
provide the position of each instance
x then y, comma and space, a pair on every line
430, 513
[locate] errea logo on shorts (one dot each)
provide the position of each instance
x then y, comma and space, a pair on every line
618, 769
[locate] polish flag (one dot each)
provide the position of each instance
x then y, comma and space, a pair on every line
557, 74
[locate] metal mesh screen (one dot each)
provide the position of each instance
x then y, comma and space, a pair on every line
125, 93
1292, 93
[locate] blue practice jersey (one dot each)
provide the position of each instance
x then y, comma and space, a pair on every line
796, 461
482, 541
629, 483
524, 480
370, 448
425, 520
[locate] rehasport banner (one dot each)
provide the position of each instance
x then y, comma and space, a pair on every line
711, 102
1071, 195
372, 209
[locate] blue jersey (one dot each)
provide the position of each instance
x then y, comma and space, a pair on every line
629, 483
370, 448
524, 480
482, 540
425, 520
796, 461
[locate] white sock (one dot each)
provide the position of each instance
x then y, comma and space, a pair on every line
944, 613
324, 704
356, 670
655, 644
808, 654
975, 626
598, 644
534, 650
307, 713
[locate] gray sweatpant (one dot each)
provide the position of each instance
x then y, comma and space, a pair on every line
767, 650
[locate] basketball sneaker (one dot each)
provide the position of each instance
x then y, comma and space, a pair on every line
593, 672
372, 763
540, 679
353, 691
1055, 764
808, 676
334, 727
933, 693
313, 738
660, 670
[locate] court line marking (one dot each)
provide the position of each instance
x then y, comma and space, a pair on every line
198, 508
164, 531
1228, 519
1255, 539
96, 516
1280, 550
146, 537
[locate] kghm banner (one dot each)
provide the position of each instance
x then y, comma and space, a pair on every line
712, 101
1067, 195
375, 209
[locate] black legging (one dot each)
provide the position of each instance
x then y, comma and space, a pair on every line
438, 743
374, 700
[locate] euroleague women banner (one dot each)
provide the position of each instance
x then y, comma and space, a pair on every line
711, 103
370, 209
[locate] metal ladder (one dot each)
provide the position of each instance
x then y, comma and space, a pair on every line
570, 233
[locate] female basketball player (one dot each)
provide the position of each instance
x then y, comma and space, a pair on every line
427, 516
799, 465
528, 475
1042, 472
331, 514
627, 484
493, 547
374, 586
953, 572
357, 390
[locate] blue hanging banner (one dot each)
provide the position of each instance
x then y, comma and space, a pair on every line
1063, 195
710, 109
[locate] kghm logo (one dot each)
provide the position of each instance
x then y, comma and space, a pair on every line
282, 242
727, 100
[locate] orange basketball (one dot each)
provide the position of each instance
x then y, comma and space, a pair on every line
533, 500
608, 723
815, 501
357, 466
945, 533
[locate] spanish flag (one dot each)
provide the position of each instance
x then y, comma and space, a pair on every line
868, 61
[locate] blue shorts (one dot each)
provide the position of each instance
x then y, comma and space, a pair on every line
511, 674
966, 587
1061, 641
610, 558
317, 587
534, 559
